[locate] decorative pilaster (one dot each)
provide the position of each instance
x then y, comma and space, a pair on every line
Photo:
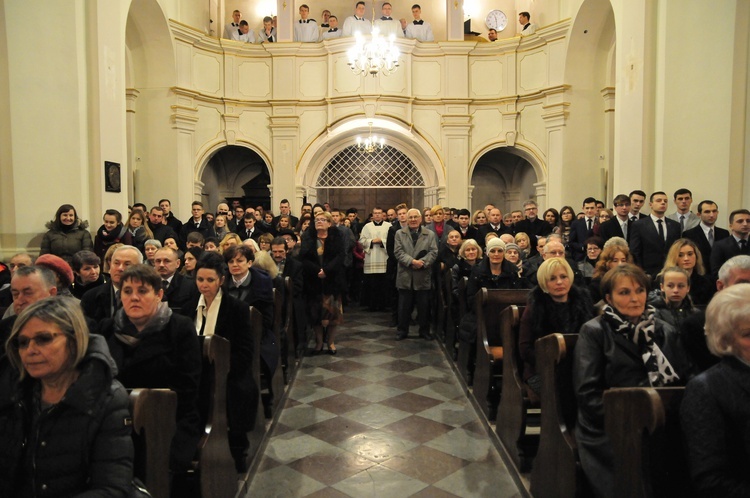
184, 119
284, 138
555, 116
456, 132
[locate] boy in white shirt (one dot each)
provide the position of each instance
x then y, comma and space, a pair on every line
387, 24
419, 29
245, 34
305, 30
333, 31
268, 33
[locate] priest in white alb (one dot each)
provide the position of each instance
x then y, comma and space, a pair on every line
373, 238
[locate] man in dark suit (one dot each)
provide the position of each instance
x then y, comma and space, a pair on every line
102, 302
392, 265
494, 224
619, 225
706, 233
464, 225
290, 267
651, 238
737, 244
156, 223
198, 223
582, 229
169, 217
284, 208
637, 200
178, 289
248, 229
532, 225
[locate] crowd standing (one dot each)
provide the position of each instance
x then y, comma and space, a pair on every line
126, 308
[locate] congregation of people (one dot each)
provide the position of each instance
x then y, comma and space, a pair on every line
656, 299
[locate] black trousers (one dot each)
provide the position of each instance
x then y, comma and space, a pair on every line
406, 300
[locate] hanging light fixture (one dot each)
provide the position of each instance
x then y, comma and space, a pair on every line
373, 54
371, 143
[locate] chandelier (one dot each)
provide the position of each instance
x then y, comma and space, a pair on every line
371, 143
373, 56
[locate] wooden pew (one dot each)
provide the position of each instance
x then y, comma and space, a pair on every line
449, 328
276, 382
643, 425
465, 350
154, 413
214, 464
488, 370
288, 345
515, 401
557, 471
255, 436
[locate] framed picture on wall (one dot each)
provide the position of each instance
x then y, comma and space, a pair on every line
111, 176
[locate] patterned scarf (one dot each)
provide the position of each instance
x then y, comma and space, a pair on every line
660, 371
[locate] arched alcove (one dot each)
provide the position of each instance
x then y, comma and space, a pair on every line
504, 177
150, 73
235, 172
589, 73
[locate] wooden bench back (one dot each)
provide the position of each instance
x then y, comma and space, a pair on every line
154, 413
643, 425
556, 470
215, 464
490, 304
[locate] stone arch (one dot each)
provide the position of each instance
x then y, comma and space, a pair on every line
233, 171
506, 176
150, 73
590, 75
396, 133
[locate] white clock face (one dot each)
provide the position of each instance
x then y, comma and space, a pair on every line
496, 20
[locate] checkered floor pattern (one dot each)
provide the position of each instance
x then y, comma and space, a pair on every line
382, 419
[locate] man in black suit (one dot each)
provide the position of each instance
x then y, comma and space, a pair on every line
651, 237
582, 229
198, 223
102, 302
285, 208
290, 267
637, 200
619, 225
706, 233
156, 223
178, 289
169, 217
533, 225
494, 224
737, 244
248, 229
464, 225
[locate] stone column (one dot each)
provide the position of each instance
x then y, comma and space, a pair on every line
284, 138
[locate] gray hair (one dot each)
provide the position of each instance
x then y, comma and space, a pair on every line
131, 248
616, 241
725, 315
46, 275
741, 262
152, 242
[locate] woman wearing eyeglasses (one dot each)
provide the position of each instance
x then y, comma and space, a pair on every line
64, 420
322, 255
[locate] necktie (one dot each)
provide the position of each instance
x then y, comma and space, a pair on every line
589, 223
661, 229
624, 227
682, 223
743, 245
165, 284
711, 237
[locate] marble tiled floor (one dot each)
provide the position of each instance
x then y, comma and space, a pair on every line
380, 419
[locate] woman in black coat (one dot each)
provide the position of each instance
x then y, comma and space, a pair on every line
322, 256
64, 427
67, 234
624, 347
216, 312
155, 348
716, 407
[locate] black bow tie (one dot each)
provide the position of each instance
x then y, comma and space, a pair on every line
333, 30
233, 24
359, 18
324, 25
304, 21
420, 22
386, 18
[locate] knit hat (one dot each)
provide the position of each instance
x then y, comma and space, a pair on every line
508, 247
496, 242
57, 265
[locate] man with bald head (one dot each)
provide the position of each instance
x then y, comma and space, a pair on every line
415, 249
494, 224
103, 301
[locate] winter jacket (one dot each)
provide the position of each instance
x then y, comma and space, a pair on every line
65, 242
81, 446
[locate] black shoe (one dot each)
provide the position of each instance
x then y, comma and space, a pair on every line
400, 336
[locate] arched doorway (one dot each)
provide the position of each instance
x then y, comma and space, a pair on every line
504, 178
236, 173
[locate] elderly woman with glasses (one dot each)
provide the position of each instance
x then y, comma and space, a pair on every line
716, 408
322, 256
64, 420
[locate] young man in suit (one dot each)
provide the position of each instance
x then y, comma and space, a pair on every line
683, 199
737, 244
651, 237
619, 225
464, 225
706, 234
637, 200
582, 229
